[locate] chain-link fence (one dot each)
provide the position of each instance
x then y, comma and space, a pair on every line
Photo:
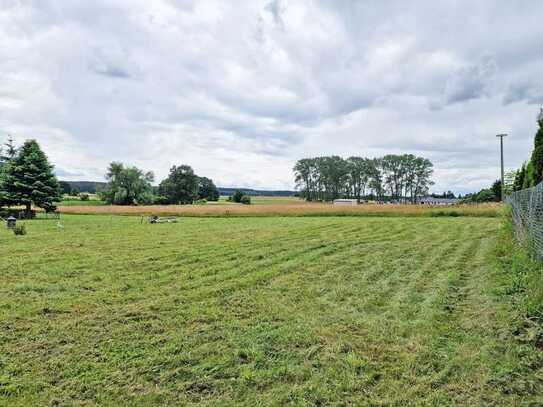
527, 207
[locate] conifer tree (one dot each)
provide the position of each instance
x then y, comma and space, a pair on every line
519, 178
529, 176
537, 153
29, 179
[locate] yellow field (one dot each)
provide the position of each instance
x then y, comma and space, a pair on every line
296, 208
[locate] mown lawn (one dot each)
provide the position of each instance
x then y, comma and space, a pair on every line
259, 311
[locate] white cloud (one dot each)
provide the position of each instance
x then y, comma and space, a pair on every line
241, 91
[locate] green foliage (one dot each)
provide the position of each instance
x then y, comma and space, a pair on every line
19, 230
207, 189
531, 174
245, 200
485, 195
161, 200
29, 179
127, 185
359, 172
518, 182
537, 153
84, 197
522, 276
509, 178
65, 187
237, 196
492, 194
7, 151
529, 178
181, 185
403, 177
200, 202
496, 190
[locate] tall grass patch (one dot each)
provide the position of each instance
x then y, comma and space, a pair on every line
521, 272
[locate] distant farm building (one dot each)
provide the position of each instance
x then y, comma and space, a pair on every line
429, 200
345, 202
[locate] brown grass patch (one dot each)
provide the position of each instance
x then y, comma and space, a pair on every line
298, 209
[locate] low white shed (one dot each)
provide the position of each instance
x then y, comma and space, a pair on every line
345, 202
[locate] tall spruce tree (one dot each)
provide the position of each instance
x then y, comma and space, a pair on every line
7, 152
537, 154
29, 179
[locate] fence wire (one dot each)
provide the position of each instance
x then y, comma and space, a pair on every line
527, 207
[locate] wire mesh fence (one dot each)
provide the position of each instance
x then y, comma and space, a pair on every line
527, 206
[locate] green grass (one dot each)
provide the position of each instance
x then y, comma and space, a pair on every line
263, 200
79, 202
261, 311
522, 280
275, 200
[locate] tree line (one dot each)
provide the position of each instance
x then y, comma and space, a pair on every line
530, 173
402, 178
133, 186
27, 178
527, 176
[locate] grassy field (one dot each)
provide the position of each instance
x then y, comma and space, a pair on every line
79, 202
76, 201
276, 200
288, 208
260, 311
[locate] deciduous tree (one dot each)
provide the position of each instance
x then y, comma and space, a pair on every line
127, 185
181, 185
405, 177
207, 189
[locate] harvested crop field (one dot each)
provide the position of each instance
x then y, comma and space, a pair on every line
289, 209
258, 311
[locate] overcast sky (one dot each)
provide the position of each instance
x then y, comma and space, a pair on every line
240, 90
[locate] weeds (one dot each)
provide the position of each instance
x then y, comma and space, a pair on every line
19, 230
522, 274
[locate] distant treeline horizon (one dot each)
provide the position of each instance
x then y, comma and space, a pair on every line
93, 187
402, 177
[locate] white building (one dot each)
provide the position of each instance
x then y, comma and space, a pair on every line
345, 202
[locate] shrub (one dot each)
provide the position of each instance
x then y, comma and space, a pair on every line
237, 196
84, 197
161, 200
200, 202
19, 230
245, 200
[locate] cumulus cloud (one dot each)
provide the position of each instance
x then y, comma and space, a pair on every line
241, 91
